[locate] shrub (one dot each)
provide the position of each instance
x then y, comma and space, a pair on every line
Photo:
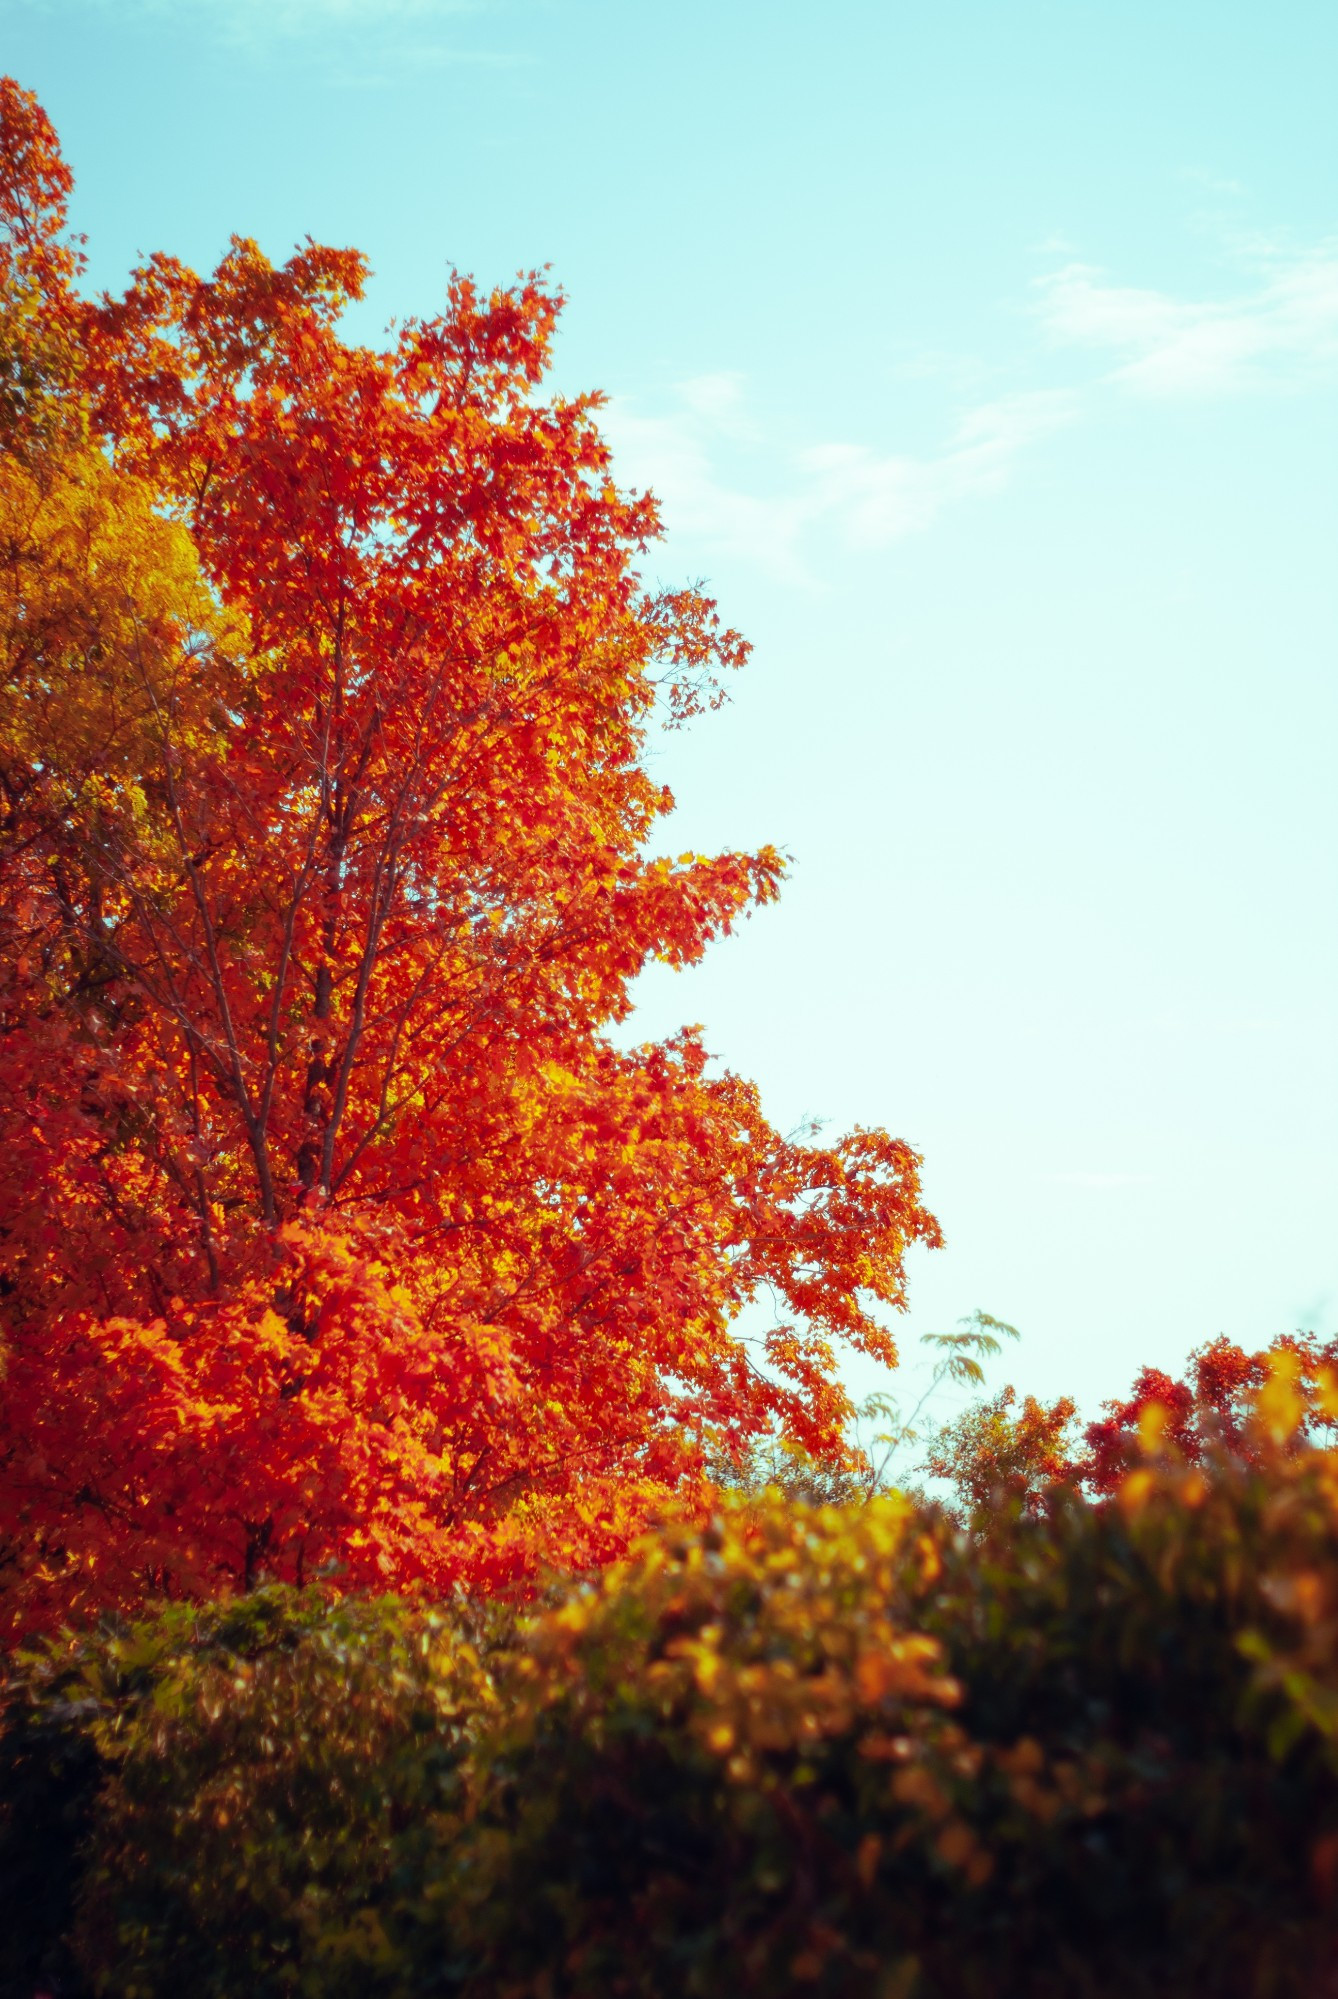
860, 1752
830, 1751
241, 1792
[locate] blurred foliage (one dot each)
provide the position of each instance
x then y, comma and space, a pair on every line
773, 1464
259, 1778
1090, 1749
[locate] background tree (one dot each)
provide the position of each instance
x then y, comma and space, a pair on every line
880, 1430
1210, 1407
959, 1362
999, 1453
1002, 1452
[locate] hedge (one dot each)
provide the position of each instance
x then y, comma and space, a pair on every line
827, 1751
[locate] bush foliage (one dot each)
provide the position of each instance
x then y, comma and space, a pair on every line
839, 1751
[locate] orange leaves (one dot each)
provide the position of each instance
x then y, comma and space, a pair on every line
1000, 1451
314, 1437
327, 806
35, 187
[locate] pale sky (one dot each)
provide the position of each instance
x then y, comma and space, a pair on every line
984, 358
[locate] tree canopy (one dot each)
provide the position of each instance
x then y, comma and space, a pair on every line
341, 1225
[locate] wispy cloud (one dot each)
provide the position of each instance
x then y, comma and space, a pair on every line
1213, 183
877, 498
378, 32
677, 451
739, 486
865, 498
1283, 329
1099, 1183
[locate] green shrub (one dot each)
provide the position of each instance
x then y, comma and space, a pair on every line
254, 1786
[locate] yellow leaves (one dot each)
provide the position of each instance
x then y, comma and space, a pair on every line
920, 1787
929, 1561
1153, 1424
904, 1668
1044, 1788
1280, 1407
103, 628
1274, 1429
1302, 1594
1326, 1393
1025, 1759
958, 1846
1136, 1488
769, 1633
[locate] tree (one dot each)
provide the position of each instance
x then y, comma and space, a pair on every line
1209, 1409
997, 1451
990, 1455
879, 1431
960, 1362
340, 1227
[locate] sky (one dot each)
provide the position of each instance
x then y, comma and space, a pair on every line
984, 360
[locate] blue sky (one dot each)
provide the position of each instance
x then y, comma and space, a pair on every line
985, 361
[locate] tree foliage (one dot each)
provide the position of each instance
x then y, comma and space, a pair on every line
1000, 1452
1210, 1407
340, 1225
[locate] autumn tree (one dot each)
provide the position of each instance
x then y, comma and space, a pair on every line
1025, 1452
341, 1228
1003, 1452
1209, 1407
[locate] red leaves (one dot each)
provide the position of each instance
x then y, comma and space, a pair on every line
35, 185
1211, 1405
1026, 1451
355, 1239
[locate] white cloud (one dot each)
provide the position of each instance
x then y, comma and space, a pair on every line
721, 400
1283, 330
736, 485
1213, 183
1099, 1183
880, 497
676, 454
377, 30
867, 499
